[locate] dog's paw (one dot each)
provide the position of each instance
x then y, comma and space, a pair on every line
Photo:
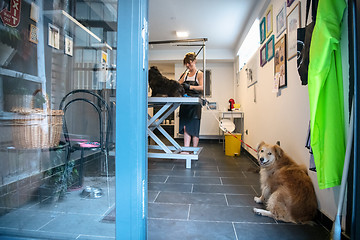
257, 211
258, 200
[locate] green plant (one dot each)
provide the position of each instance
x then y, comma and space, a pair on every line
61, 177
9, 36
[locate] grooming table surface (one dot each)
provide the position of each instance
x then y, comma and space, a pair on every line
168, 106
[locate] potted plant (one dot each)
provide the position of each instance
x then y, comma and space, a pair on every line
58, 179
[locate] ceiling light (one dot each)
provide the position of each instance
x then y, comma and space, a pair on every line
182, 34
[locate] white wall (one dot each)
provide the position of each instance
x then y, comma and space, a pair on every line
282, 117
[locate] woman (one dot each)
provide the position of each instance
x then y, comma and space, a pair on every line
190, 115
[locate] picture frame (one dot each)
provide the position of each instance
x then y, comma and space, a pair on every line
33, 34
280, 66
262, 30
269, 20
251, 68
270, 48
293, 22
281, 21
263, 55
289, 2
68, 45
53, 36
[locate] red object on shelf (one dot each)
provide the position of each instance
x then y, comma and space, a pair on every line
232, 102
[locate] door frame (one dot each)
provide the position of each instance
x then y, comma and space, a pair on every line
131, 120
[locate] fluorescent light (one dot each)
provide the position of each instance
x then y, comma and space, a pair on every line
182, 34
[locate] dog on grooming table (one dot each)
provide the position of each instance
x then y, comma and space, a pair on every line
161, 86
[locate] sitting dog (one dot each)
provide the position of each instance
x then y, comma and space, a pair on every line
287, 190
161, 86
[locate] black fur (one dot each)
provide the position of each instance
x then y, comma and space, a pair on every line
161, 86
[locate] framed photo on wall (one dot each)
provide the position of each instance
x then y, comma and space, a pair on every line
280, 71
293, 23
263, 55
262, 30
269, 20
270, 48
53, 36
281, 21
68, 45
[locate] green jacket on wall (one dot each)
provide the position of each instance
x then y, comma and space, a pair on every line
325, 85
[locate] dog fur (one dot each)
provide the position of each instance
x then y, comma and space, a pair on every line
287, 190
161, 86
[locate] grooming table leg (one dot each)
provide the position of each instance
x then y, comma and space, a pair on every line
158, 141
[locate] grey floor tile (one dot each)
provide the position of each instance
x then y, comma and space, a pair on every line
195, 180
189, 230
158, 179
206, 212
246, 231
168, 211
198, 167
159, 172
191, 198
80, 224
152, 195
234, 189
170, 187
243, 200
219, 174
240, 181
27, 219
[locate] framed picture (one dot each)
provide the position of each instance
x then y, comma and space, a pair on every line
53, 36
33, 34
269, 20
270, 48
289, 2
68, 45
293, 23
251, 68
280, 72
262, 30
263, 55
281, 21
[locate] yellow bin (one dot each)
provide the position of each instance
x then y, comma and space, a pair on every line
232, 144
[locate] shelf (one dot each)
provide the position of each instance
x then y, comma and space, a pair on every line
16, 74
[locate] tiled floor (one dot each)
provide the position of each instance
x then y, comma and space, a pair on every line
212, 200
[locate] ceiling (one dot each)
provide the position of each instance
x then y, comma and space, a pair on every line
222, 22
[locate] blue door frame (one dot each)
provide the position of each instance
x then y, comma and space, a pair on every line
131, 120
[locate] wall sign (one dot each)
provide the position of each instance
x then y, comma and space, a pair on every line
11, 18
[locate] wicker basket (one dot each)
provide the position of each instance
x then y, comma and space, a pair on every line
37, 128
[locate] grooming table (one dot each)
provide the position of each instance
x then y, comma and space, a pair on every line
168, 106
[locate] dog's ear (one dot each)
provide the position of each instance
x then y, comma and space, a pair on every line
278, 151
259, 146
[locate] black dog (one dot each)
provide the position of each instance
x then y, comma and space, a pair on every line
161, 86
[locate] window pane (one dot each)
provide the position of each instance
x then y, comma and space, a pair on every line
57, 174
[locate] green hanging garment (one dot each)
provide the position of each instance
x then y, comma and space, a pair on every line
325, 85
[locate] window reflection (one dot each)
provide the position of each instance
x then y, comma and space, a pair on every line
53, 178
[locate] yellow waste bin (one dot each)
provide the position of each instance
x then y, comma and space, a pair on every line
232, 144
